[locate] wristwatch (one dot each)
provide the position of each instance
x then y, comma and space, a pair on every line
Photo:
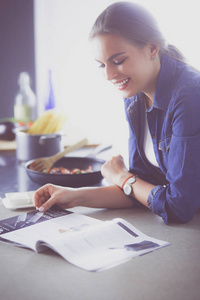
126, 186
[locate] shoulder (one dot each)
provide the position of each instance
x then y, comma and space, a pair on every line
188, 79
186, 92
186, 85
176, 79
184, 104
179, 74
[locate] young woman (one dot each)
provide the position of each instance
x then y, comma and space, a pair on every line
162, 104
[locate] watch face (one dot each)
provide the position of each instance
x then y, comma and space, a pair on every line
132, 179
127, 189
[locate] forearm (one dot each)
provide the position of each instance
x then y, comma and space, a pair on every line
112, 196
142, 190
102, 197
98, 197
116, 172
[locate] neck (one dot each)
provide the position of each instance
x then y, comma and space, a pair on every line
148, 101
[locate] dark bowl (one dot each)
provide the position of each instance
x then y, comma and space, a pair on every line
70, 180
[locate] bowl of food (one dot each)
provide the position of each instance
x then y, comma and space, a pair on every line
69, 171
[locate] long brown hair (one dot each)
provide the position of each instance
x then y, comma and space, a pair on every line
135, 24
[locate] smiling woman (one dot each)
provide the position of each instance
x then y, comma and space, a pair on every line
161, 96
61, 34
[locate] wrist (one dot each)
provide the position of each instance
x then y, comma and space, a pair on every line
123, 177
127, 185
83, 196
78, 197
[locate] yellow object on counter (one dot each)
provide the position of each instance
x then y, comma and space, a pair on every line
49, 122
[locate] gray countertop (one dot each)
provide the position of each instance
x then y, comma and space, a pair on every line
172, 272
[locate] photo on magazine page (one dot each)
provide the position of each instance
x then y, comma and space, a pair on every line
30, 218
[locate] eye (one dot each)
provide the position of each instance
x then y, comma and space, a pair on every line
101, 66
119, 62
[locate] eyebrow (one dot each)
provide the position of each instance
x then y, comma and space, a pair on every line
112, 56
115, 55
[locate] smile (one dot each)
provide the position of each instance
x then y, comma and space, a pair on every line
121, 84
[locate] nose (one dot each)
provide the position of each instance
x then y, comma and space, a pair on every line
110, 72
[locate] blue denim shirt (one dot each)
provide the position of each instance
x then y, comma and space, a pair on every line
174, 124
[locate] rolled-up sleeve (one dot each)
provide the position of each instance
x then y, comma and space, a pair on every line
154, 203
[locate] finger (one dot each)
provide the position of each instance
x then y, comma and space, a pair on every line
48, 204
42, 195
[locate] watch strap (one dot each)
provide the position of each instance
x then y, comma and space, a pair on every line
121, 188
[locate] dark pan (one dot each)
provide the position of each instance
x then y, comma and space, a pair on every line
71, 180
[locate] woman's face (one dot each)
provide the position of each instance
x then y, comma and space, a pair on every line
131, 69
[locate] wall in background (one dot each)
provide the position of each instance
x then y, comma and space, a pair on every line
16, 49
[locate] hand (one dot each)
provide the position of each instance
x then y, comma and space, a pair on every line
49, 195
114, 170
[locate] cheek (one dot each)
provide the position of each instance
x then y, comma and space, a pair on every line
133, 69
140, 72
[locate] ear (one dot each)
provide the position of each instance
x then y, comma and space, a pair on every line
154, 50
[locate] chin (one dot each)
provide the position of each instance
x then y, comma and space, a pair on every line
128, 94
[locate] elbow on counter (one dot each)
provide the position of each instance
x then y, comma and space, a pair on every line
172, 209
178, 216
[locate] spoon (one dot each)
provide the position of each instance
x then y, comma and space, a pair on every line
44, 163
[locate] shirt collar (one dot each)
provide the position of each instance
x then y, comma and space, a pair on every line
165, 83
164, 86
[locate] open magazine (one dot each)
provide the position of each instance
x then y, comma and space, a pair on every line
84, 241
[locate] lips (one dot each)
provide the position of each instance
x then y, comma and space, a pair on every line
121, 84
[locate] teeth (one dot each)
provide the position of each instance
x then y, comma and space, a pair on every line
119, 84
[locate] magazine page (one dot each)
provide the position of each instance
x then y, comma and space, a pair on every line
101, 246
26, 229
86, 242
30, 218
